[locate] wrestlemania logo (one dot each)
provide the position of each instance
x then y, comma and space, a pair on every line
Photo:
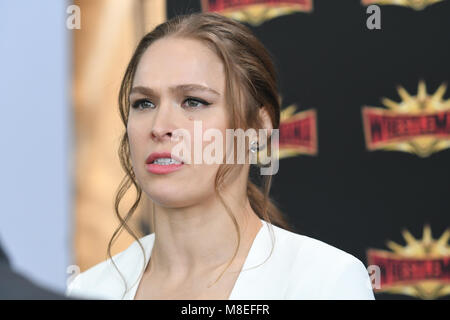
298, 132
414, 4
418, 124
255, 12
420, 269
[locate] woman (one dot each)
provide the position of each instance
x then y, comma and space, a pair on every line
216, 234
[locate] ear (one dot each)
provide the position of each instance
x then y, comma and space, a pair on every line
267, 123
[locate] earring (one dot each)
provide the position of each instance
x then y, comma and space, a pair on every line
254, 146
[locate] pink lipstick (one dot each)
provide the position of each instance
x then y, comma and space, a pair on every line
163, 163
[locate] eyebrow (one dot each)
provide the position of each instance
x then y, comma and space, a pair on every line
179, 88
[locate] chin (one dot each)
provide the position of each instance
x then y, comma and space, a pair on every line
166, 195
169, 202
174, 196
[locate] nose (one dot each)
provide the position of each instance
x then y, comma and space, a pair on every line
162, 124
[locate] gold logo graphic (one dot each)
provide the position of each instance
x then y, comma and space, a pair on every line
418, 124
255, 12
298, 132
420, 269
414, 4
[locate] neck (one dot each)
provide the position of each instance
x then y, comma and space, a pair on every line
201, 238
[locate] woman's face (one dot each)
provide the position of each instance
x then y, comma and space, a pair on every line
157, 108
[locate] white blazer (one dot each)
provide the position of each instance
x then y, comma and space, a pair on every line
300, 267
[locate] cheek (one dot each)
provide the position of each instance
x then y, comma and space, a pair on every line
136, 142
208, 172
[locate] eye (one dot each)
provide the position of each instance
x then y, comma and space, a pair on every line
196, 102
142, 104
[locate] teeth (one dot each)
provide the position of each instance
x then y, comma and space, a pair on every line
166, 161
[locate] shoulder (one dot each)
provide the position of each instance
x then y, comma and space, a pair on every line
322, 271
103, 280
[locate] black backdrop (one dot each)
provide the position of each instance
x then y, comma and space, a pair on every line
328, 60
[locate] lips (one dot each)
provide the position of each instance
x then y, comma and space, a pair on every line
156, 155
162, 169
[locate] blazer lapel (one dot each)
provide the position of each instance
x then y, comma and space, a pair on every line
133, 265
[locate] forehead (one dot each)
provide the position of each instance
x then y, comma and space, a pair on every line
174, 61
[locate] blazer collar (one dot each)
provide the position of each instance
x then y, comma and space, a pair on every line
258, 253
